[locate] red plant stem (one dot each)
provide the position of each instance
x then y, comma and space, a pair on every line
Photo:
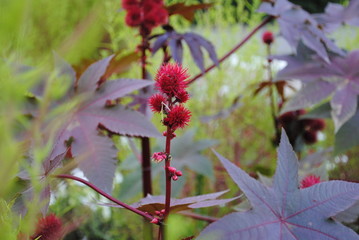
145, 142
168, 174
239, 45
199, 217
109, 197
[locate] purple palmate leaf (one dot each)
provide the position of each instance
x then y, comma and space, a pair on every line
89, 79
339, 78
283, 211
156, 203
195, 44
94, 153
336, 14
298, 25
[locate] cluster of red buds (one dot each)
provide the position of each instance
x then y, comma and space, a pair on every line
159, 157
146, 14
296, 127
309, 181
174, 173
48, 228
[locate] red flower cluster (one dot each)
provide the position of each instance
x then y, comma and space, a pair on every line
159, 157
146, 13
48, 228
309, 181
171, 82
174, 173
305, 128
267, 37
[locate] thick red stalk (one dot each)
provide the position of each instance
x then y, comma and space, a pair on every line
168, 174
109, 197
239, 45
145, 142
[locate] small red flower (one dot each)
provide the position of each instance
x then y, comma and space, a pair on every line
156, 102
133, 17
159, 156
309, 181
267, 37
171, 79
48, 228
178, 117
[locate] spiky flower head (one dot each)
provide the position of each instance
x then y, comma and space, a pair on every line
178, 117
156, 102
309, 181
171, 79
182, 96
48, 228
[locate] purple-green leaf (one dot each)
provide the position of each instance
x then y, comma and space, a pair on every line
339, 78
298, 25
89, 79
336, 14
156, 203
95, 154
284, 211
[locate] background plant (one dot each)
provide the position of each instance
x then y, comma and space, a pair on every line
244, 148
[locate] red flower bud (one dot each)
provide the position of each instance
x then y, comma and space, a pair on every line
174, 178
267, 37
155, 221
179, 173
